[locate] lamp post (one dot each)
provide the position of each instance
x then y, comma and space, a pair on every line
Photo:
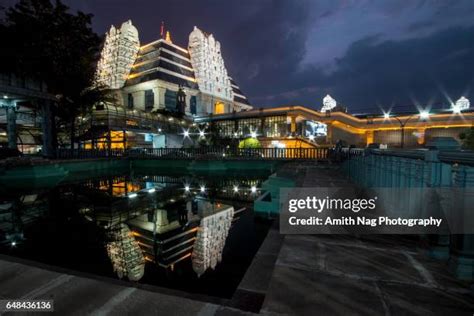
402, 126
423, 115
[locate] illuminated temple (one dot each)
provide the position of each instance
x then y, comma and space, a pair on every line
149, 77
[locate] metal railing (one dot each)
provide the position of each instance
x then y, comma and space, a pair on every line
234, 153
212, 153
64, 153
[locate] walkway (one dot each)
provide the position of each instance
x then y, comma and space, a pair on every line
345, 275
84, 295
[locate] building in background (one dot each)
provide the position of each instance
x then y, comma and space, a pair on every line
303, 127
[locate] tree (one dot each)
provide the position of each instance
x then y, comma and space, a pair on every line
467, 139
45, 42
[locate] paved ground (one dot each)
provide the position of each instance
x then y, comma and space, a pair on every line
76, 295
371, 275
290, 275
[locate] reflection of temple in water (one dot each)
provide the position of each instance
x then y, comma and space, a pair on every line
125, 253
198, 229
144, 218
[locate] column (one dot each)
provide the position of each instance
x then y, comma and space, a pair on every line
46, 124
139, 100
293, 126
369, 137
161, 97
11, 125
421, 136
329, 139
156, 98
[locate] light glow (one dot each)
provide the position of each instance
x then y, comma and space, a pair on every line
186, 133
311, 137
253, 189
236, 188
424, 115
13, 243
152, 190
201, 134
253, 134
186, 188
132, 195
386, 115
203, 189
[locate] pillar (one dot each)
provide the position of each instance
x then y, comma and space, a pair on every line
369, 137
161, 97
139, 100
329, 139
293, 125
421, 136
156, 98
47, 124
11, 125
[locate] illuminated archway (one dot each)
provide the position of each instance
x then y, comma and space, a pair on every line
219, 107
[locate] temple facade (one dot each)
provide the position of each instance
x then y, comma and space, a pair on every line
149, 78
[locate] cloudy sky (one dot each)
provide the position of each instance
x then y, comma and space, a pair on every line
366, 54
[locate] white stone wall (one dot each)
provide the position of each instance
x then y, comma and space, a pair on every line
118, 55
209, 69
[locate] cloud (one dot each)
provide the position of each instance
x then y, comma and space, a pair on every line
376, 73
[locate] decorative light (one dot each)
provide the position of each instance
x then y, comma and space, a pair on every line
328, 104
456, 109
186, 188
424, 115
236, 188
311, 137
203, 189
223, 154
253, 134
132, 195
386, 115
13, 243
186, 133
253, 189
152, 190
463, 103
5, 96
159, 130
235, 134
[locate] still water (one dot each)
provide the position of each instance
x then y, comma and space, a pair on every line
192, 233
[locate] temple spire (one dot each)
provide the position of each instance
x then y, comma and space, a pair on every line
168, 37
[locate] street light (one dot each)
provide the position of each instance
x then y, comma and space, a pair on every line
424, 115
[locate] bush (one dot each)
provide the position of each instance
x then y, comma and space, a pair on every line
250, 143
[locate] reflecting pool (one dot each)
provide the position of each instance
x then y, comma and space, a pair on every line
193, 233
